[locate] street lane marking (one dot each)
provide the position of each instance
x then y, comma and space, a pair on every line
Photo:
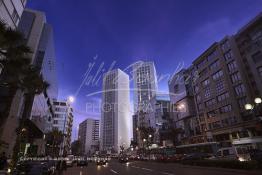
135, 167
113, 171
167, 173
146, 169
80, 173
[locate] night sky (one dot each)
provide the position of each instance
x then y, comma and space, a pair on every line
120, 32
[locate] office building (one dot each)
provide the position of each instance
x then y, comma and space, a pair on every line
115, 118
11, 11
145, 84
63, 121
88, 135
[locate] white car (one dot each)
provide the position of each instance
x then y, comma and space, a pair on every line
232, 153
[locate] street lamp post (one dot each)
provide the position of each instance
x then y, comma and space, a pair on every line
254, 108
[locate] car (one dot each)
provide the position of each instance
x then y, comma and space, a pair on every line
33, 168
123, 159
70, 160
232, 153
101, 161
81, 162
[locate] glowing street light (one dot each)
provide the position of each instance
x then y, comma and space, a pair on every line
248, 107
258, 100
150, 136
71, 99
144, 140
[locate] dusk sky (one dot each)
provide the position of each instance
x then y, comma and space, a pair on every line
168, 32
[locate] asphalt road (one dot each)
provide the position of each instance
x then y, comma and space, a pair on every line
150, 168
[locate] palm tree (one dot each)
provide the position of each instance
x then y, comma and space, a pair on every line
14, 57
54, 139
18, 73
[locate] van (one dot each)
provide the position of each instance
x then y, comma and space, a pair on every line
232, 153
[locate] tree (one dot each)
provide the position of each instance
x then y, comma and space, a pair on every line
54, 139
18, 73
14, 57
76, 147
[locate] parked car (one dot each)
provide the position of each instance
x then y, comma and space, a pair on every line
33, 168
232, 153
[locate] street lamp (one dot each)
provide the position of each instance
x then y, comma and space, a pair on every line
150, 136
144, 140
248, 106
258, 100
71, 99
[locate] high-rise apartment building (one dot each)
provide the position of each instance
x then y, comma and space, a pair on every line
63, 121
115, 118
145, 84
88, 135
11, 11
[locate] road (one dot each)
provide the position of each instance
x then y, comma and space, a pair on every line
151, 168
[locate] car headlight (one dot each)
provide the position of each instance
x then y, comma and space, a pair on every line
241, 159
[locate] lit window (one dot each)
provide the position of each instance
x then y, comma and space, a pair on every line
207, 92
220, 86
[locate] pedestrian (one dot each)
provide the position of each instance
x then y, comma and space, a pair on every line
3, 161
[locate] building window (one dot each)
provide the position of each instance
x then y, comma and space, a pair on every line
210, 102
223, 96
225, 109
214, 65
213, 113
228, 55
176, 88
257, 57
205, 82
207, 92
235, 77
201, 63
217, 75
260, 71
55, 121
232, 66
220, 86
225, 46
240, 89
212, 55
242, 102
